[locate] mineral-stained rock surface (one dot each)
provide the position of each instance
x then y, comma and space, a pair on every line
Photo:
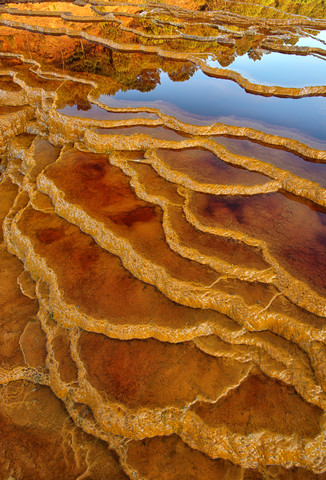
162, 243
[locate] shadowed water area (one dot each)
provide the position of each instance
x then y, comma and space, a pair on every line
163, 237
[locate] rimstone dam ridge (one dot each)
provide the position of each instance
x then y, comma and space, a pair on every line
163, 238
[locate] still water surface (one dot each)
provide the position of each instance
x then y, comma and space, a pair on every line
218, 100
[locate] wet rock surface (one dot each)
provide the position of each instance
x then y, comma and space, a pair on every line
163, 234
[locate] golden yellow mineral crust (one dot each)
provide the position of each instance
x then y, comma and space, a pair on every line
162, 257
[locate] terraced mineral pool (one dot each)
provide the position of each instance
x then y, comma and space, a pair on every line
314, 171
207, 100
273, 68
163, 240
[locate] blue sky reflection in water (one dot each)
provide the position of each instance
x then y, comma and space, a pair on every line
279, 69
213, 99
315, 41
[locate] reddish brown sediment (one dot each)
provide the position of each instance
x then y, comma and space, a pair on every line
262, 398
295, 290
162, 276
289, 214
92, 312
142, 374
203, 167
183, 461
147, 458
38, 436
16, 312
287, 181
46, 240
299, 166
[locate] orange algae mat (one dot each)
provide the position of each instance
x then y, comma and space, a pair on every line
163, 213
